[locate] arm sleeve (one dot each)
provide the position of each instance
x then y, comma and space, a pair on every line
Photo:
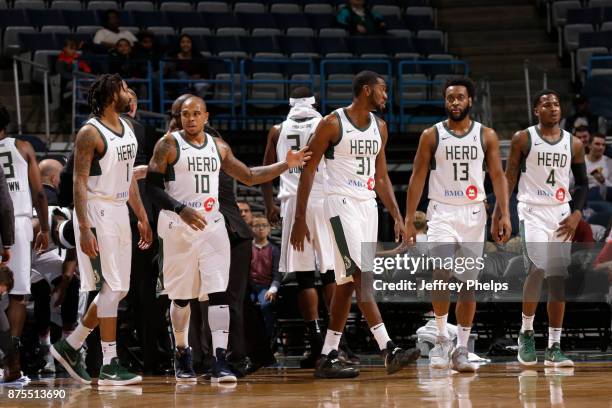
7, 215
158, 195
276, 275
582, 185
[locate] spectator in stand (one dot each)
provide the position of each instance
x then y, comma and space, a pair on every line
187, 65
582, 132
599, 170
420, 223
50, 171
67, 63
109, 34
358, 18
121, 60
596, 124
146, 50
245, 212
264, 277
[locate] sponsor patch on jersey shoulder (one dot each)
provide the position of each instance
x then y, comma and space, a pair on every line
560, 194
471, 192
209, 203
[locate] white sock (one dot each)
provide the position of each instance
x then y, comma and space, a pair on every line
463, 336
554, 335
219, 322
380, 334
45, 340
527, 322
109, 351
78, 336
441, 325
332, 341
179, 316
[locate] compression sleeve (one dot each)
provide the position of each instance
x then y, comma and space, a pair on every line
581, 185
158, 194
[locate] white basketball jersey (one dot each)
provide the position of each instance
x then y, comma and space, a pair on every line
16, 172
193, 179
293, 136
351, 162
545, 173
457, 171
111, 173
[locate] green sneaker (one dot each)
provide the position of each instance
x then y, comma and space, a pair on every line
553, 356
71, 360
115, 374
527, 352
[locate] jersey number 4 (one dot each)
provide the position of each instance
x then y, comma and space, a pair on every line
551, 178
6, 159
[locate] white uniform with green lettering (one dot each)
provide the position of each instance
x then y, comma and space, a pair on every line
108, 189
16, 172
543, 197
294, 135
195, 263
350, 206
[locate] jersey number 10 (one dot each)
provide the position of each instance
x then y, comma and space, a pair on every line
202, 183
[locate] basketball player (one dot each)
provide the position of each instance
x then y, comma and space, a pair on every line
23, 178
353, 141
184, 179
543, 155
292, 134
105, 149
456, 150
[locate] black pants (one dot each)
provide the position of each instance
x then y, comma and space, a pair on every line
41, 294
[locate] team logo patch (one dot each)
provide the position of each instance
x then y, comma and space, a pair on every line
209, 204
560, 194
371, 183
471, 192
347, 262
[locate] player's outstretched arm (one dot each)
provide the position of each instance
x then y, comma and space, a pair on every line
567, 227
500, 225
383, 186
88, 142
272, 210
257, 175
165, 153
420, 167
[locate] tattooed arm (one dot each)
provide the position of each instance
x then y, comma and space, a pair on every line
88, 143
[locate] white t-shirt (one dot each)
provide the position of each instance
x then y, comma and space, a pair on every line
104, 35
604, 164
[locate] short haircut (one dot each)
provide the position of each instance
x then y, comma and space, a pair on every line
5, 118
460, 81
6, 278
541, 93
364, 78
301, 92
243, 202
594, 135
259, 217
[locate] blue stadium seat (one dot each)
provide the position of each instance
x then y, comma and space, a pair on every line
218, 20
366, 45
428, 46
584, 16
319, 21
298, 45
607, 14
332, 45
254, 45
394, 22
13, 18
148, 18
39, 18
399, 45
75, 18
595, 39
416, 22
225, 44
180, 19
285, 21
38, 41
256, 20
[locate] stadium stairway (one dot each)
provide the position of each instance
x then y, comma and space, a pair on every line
495, 37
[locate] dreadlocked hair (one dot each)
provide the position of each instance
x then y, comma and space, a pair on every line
102, 92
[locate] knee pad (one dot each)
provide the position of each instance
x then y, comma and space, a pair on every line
218, 298
305, 280
180, 302
328, 277
107, 301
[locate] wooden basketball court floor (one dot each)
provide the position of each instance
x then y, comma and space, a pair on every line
502, 384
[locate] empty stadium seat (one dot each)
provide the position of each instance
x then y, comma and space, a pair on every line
102, 5
318, 9
139, 5
249, 8
560, 8
66, 5
256, 20
182, 19
180, 6
387, 10
285, 8
55, 29
10, 40
213, 7
29, 4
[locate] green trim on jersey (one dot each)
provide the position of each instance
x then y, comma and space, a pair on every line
218, 152
539, 132
178, 151
95, 169
484, 149
452, 132
432, 163
349, 264
524, 158
96, 266
571, 142
329, 152
191, 144
111, 130
354, 125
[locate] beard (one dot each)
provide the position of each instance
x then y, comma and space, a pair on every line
122, 106
458, 118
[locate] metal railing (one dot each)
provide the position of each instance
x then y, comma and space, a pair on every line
527, 65
45, 72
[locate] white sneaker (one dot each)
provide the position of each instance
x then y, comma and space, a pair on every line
440, 355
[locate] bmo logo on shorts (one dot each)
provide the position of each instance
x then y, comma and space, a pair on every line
209, 204
471, 192
371, 183
560, 194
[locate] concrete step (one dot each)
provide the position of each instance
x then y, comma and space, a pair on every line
494, 37
510, 48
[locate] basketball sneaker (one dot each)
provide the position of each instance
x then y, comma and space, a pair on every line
221, 371
461, 362
71, 360
330, 366
45, 354
397, 358
440, 355
553, 356
183, 365
527, 352
115, 374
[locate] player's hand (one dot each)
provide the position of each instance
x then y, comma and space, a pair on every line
273, 214
361, 29
88, 242
411, 233
400, 231
6, 256
298, 158
501, 229
270, 296
140, 172
146, 235
42, 241
194, 219
567, 227
298, 233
